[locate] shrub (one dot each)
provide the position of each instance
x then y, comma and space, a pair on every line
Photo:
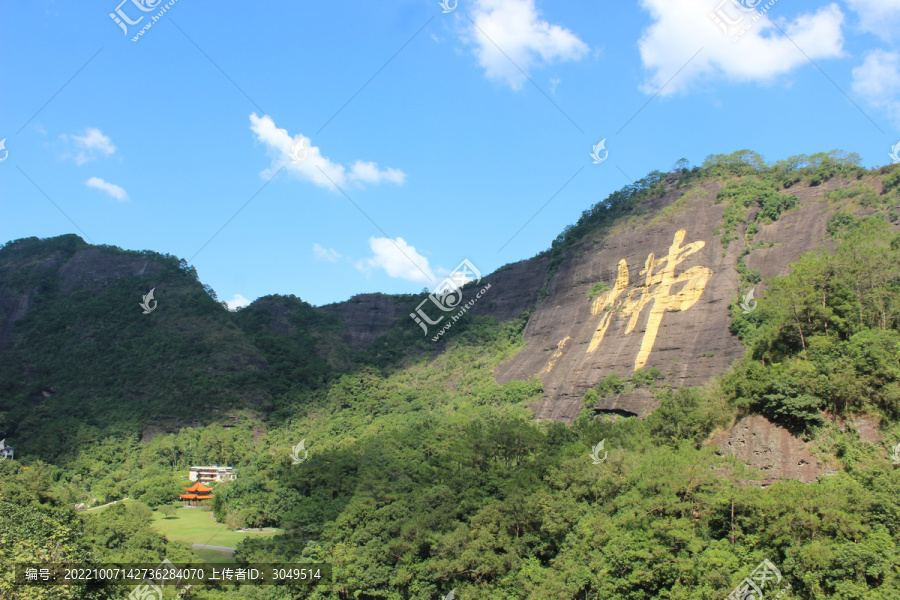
891, 182
611, 384
646, 377
598, 289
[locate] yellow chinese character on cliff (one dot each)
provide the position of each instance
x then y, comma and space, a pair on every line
655, 291
555, 357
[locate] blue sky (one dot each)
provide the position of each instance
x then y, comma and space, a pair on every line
351, 147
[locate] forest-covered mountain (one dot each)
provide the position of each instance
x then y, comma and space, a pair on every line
731, 332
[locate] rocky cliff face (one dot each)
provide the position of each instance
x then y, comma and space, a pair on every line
771, 449
515, 289
670, 284
367, 316
779, 454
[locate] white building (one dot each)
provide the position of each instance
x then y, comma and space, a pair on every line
212, 473
5, 451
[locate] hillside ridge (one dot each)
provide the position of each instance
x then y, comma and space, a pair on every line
724, 228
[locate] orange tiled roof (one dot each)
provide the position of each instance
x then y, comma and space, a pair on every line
198, 487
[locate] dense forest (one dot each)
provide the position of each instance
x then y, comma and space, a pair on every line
426, 476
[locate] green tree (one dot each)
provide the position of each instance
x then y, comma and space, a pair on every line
168, 511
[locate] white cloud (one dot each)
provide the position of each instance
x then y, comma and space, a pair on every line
514, 29
87, 147
398, 259
368, 172
554, 81
110, 188
279, 146
326, 254
877, 80
881, 17
237, 302
681, 27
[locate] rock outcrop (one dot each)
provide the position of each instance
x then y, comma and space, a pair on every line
772, 449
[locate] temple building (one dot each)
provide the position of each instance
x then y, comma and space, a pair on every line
211, 473
195, 494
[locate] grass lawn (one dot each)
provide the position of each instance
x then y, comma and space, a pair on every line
196, 526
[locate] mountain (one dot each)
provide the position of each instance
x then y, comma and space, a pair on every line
714, 233
696, 385
648, 279
673, 275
